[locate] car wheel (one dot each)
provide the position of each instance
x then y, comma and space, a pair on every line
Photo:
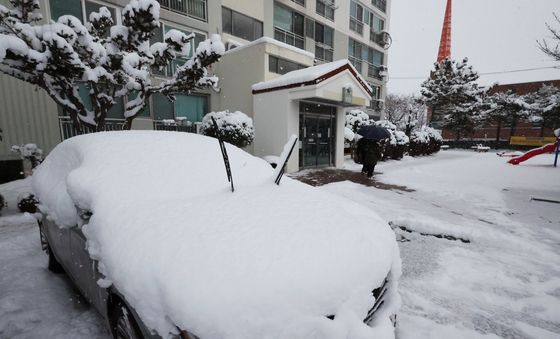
54, 265
123, 325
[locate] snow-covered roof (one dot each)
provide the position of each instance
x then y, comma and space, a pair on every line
311, 76
268, 40
185, 251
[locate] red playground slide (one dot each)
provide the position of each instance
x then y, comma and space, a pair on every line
548, 148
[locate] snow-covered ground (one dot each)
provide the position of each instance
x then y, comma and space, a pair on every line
505, 282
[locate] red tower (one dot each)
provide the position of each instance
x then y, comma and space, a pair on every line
445, 43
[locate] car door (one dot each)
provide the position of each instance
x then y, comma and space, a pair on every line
59, 242
83, 268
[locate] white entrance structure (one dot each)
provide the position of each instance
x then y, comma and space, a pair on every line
310, 103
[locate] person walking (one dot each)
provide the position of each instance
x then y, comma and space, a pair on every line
369, 152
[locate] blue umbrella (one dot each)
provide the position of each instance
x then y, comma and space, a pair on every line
376, 133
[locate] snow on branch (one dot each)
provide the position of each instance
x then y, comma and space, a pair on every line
87, 68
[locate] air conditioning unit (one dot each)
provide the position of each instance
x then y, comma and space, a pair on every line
384, 39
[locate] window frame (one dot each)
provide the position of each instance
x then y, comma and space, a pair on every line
325, 7
231, 30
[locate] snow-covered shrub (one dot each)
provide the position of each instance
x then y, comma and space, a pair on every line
113, 61
356, 119
397, 145
349, 135
425, 141
29, 152
27, 203
235, 127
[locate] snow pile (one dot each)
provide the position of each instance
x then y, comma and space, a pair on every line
252, 264
235, 127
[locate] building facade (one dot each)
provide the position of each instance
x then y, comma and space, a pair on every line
290, 35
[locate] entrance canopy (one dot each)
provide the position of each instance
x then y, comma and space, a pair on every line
336, 82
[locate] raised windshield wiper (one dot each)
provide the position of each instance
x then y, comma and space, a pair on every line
224, 152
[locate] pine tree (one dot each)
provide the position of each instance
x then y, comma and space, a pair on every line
504, 108
453, 96
112, 61
544, 106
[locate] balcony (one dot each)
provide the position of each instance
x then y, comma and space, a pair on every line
323, 52
289, 38
357, 63
376, 71
381, 4
193, 8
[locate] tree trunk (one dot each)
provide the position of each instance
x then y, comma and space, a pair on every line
512, 130
543, 123
498, 130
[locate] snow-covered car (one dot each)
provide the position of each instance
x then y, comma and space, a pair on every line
146, 225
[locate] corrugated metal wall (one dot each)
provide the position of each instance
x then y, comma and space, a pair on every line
27, 115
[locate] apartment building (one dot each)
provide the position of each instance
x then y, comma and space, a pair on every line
278, 36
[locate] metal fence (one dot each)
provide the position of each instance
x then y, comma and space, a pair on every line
193, 8
68, 130
188, 127
289, 38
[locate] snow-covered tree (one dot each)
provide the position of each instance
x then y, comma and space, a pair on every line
503, 108
552, 50
234, 127
407, 112
453, 95
544, 106
355, 119
112, 61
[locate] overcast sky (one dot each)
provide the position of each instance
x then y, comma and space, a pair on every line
496, 35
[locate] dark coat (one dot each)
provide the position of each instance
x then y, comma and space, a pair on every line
369, 151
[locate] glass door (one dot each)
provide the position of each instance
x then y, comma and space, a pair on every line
317, 124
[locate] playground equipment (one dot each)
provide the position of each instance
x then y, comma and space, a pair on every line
548, 148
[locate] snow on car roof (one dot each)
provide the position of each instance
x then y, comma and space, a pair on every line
264, 261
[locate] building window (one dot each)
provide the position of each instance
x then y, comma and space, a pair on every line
241, 25
282, 66
375, 63
299, 2
74, 8
65, 7
325, 8
381, 4
158, 36
192, 107
289, 26
356, 17
324, 42
377, 24
194, 8
355, 54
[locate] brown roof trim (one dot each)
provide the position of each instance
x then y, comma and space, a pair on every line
319, 80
